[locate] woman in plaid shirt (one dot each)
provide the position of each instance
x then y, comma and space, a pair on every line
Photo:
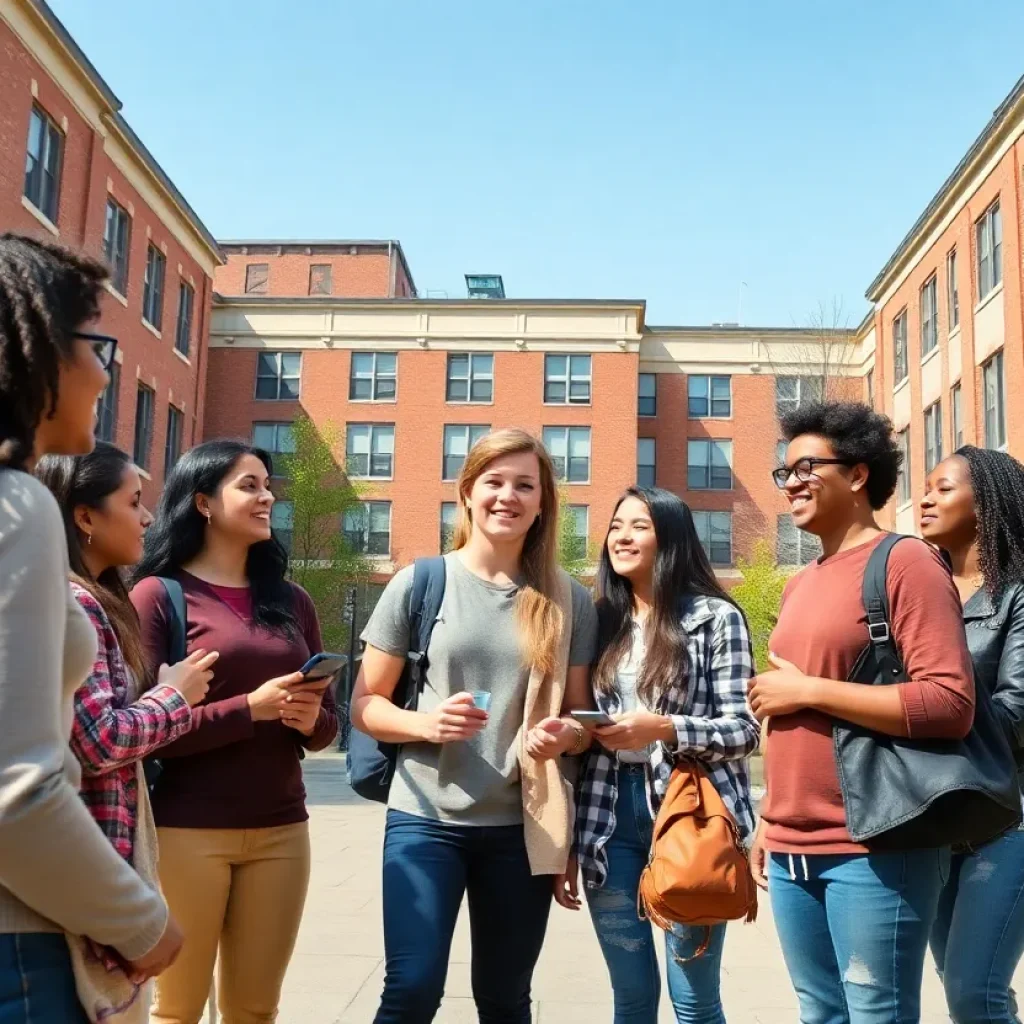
673, 672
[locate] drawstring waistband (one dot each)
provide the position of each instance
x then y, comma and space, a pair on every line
792, 868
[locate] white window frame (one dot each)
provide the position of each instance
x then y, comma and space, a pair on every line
993, 391
709, 379
641, 397
900, 359
117, 242
956, 403
952, 291
477, 372
646, 447
153, 288
581, 538
989, 239
467, 434
932, 436
704, 521
367, 510
904, 491
379, 438
569, 378
279, 376
564, 436
802, 383
929, 305
376, 377
710, 446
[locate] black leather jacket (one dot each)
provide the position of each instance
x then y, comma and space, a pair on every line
995, 636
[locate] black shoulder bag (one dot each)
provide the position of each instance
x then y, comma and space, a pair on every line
904, 794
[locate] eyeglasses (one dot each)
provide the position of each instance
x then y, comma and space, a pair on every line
103, 345
803, 470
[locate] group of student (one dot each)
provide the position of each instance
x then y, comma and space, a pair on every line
500, 795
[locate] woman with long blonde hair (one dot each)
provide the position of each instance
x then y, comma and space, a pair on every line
478, 806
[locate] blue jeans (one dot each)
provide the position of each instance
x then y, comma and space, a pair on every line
428, 867
37, 985
854, 931
627, 942
978, 936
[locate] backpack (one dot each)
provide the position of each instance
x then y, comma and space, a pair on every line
906, 794
372, 763
698, 872
177, 650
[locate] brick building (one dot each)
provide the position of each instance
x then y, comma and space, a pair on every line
73, 171
945, 353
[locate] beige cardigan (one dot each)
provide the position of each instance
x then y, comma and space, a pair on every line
548, 805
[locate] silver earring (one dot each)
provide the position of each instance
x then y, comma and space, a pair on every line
88, 540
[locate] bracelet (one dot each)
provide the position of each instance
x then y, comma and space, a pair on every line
581, 739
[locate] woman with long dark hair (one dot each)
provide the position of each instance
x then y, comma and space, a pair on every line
675, 658
973, 508
59, 874
119, 717
230, 804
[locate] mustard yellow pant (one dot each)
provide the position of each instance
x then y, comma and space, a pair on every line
239, 894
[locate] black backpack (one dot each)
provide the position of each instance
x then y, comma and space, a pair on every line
371, 763
177, 650
904, 794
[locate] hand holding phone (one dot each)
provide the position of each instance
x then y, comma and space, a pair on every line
592, 719
321, 667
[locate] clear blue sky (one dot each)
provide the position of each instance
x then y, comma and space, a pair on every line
659, 149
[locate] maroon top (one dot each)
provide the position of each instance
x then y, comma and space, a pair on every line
228, 771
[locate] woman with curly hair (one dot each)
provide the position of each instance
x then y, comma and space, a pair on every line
853, 921
59, 873
973, 509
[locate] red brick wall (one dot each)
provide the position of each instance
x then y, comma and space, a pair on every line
363, 276
1005, 183
420, 413
81, 218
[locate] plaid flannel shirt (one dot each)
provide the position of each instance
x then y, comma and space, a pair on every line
112, 731
713, 724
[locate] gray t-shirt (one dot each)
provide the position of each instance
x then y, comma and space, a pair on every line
474, 646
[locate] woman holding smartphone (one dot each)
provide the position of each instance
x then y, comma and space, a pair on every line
511, 624
230, 803
672, 675
973, 509
60, 874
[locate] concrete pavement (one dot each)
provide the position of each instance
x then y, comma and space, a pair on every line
338, 968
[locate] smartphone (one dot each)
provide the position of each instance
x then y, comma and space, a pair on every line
592, 718
323, 666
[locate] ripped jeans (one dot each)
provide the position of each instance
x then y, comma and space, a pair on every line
627, 942
854, 931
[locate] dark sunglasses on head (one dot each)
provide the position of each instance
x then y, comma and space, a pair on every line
803, 470
102, 344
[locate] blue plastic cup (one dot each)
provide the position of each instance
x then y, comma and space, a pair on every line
482, 700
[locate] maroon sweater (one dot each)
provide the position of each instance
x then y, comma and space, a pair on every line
228, 771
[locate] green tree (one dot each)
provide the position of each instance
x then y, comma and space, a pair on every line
322, 561
759, 595
574, 551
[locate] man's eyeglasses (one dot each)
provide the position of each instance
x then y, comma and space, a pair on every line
803, 470
102, 344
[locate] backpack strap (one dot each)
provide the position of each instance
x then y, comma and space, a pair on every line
177, 649
875, 597
425, 599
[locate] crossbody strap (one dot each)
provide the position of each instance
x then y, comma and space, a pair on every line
177, 648
875, 597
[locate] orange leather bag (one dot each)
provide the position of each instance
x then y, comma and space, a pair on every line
698, 872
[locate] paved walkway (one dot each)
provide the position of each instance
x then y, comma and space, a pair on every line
338, 969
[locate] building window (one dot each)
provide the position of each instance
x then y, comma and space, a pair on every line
320, 279
367, 528
143, 427
715, 532
956, 401
43, 164
932, 436
257, 278
373, 377
647, 402
470, 378
794, 546
458, 440
183, 332
282, 522
449, 517
274, 438
116, 241
709, 465
929, 315
709, 397
569, 448
899, 348
903, 482
870, 381
952, 290
153, 288
106, 412
576, 532
370, 451
277, 376
793, 392
567, 380
994, 390
990, 250
645, 462
172, 446
781, 447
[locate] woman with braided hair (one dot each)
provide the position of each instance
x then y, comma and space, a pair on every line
59, 873
973, 509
